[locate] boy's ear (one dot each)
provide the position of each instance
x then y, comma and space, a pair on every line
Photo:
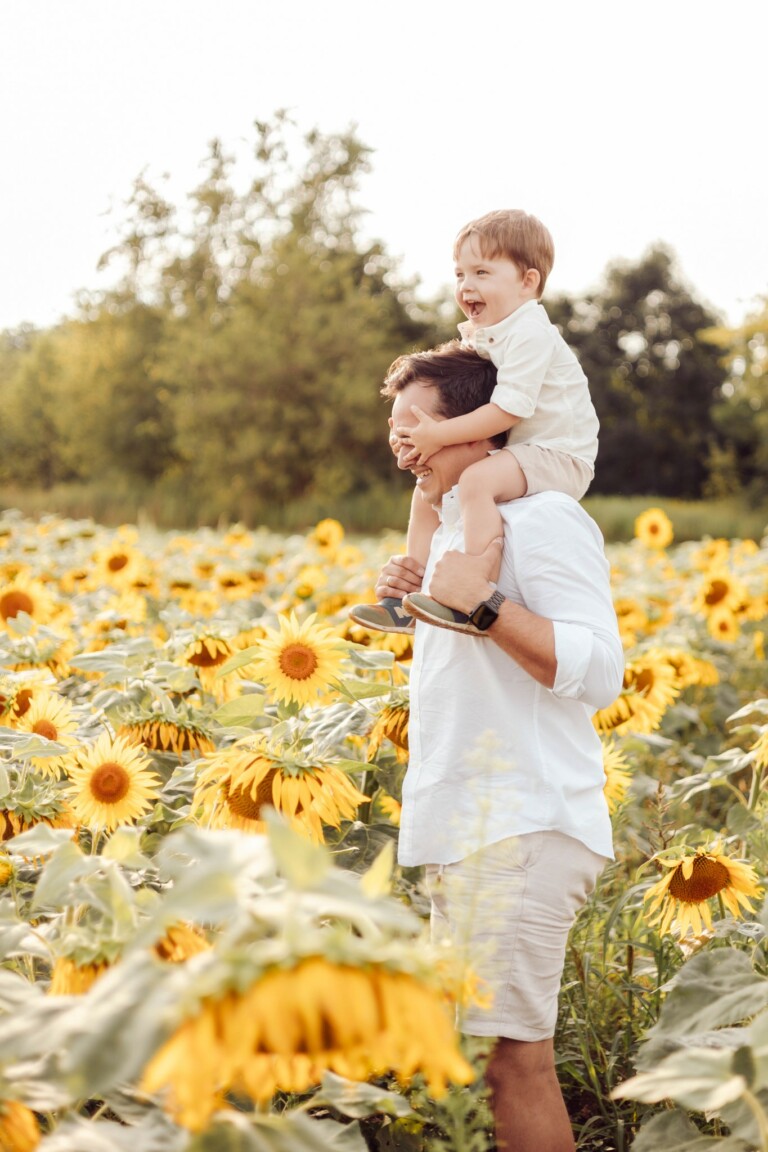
532, 279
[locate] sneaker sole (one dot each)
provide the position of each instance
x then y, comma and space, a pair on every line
438, 622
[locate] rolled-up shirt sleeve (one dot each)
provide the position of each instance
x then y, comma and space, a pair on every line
562, 571
590, 665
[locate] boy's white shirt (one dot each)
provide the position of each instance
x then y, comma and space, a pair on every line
540, 380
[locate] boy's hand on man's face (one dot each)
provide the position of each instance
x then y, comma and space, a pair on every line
424, 435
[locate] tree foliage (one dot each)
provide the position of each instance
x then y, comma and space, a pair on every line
235, 365
654, 378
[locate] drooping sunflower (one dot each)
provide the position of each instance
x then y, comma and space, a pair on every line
291, 1025
111, 783
68, 978
53, 717
18, 1127
392, 724
300, 661
654, 528
179, 733
179, 943
683, 894
650, 686
239, 782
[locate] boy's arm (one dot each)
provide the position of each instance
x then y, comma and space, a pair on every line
429, 435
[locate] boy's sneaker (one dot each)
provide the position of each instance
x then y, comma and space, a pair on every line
388, 615
433, 612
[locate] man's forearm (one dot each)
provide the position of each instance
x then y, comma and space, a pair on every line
528, 639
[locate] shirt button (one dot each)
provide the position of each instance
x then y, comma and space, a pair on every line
490, 339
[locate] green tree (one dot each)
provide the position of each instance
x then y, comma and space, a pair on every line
742, 411
654, 377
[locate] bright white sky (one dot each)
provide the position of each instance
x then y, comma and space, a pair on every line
618, 124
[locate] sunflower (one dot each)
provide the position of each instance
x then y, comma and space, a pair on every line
17, 693
654, 528
52, 717
119, 564
758, 644
327, 535
179, 943
6, 869
291, 1025
176, 733
26, 595
111, 783
650, 686
392, 724
723, 624
239, 782
18, 1127
691, 669
719, 589
206, 654
692, 881
309, 580
617, 776
299, 661
712, 553
632, 619
391, 808
71, 979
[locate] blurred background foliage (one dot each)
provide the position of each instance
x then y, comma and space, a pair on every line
232, 372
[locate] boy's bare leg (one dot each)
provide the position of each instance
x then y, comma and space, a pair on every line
422, 525
482, 486
527, 1103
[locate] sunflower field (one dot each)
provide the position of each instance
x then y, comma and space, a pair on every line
205, 941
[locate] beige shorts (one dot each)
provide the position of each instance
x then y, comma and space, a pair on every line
547, 470
507, 911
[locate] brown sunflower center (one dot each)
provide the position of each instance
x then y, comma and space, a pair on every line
298, 661
117, 562
46, 728
203, 658
249, 807
707, 879
11, 603
644, 680
23, 702
109, 782
717, 591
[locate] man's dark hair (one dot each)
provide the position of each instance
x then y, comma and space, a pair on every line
463, 380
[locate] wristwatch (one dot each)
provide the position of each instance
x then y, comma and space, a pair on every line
486, 612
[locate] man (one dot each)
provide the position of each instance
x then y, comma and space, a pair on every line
503, 798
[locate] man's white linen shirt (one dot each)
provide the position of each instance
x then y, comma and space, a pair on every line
539, 379
493, 753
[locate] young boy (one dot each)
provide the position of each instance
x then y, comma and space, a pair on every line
541, 400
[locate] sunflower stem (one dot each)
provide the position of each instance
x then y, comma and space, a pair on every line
757, 1111
754, 792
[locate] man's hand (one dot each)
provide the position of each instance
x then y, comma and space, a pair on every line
400, 575
462, 581
424, 435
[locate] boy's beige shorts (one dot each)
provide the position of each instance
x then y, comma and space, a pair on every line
549, 471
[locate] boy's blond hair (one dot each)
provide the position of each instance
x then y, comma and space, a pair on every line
515, 234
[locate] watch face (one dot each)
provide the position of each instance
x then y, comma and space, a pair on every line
483, 616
